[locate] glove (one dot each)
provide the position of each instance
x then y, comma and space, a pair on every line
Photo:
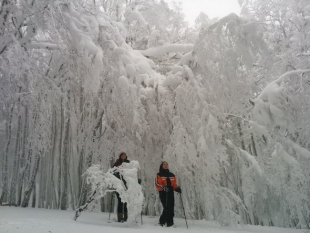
116, 174
178, 190
165, 189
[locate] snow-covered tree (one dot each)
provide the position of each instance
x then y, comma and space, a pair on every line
82, 81
126, 186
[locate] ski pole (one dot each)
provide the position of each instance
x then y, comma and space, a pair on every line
123, 217
111, 205
166, 199
183, 210
141, 214
141, 219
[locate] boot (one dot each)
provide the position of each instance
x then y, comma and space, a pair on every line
125, 216
119, 217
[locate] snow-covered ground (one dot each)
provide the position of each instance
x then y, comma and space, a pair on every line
28, 220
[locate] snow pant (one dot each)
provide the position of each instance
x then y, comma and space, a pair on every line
167, 200
121, 209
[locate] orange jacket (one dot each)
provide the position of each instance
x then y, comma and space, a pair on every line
161, 181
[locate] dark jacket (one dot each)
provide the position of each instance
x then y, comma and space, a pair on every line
118, 163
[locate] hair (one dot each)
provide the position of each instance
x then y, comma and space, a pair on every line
161, 166
119, 157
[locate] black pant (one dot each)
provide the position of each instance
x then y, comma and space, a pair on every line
167, 200
121, 207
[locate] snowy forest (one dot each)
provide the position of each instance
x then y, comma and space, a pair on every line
224, 101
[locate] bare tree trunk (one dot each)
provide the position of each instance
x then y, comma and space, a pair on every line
253, 145
30, 177
4, 195
60, 147
31, 184
22, 165
49, 190
71, 179
28, 162
12, 199
64, 194
81, 187
53, 194
30, 151
34, 196
241, 136
15, 173
43, 181
82, 196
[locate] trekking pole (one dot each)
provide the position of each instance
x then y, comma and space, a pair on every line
123, 217
141, 214
141, 219
183, 210
139, 182
111, 205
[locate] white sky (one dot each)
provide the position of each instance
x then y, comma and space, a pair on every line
213, 8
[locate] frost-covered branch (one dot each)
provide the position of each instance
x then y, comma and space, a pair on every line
161, 50
132, 14
270, 89
44, 46
232, 115
248, 157
127, 186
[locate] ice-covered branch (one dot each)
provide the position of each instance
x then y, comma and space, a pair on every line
84, 44
127, 186
300, 150
248, 157
271, 88
44, 46
304, 54
132, 15
161, 50
232, 115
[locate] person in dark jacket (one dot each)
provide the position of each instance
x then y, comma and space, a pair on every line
122, 213
166, 183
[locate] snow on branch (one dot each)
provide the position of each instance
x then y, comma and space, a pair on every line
279, 150
304, 54
271, 88
228, 216
270, 105
82, 30
270, 111
260, 129
248, 157
161, 50
132, 15
84, 42
44, 46
127, 186
252, 161
298, 149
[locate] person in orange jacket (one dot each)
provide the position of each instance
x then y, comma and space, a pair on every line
166, 183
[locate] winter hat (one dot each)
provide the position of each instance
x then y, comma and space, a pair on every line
161, 169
